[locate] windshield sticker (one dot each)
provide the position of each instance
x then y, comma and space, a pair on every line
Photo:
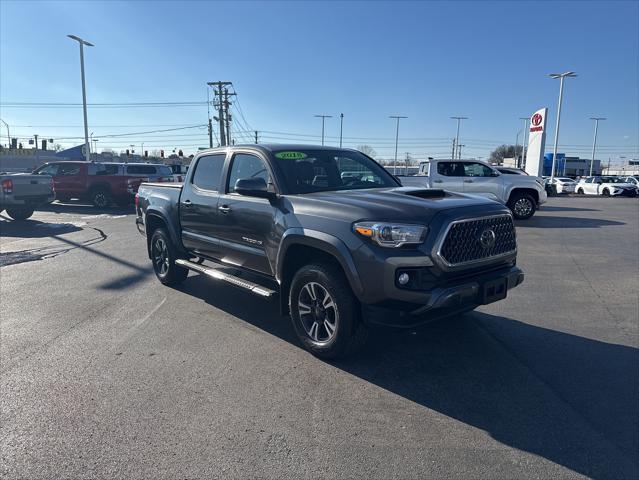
291, 155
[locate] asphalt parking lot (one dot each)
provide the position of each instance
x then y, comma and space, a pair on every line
105, 373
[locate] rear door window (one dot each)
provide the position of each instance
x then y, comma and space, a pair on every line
141, 170
451, 169
103, 169
477, 170
69, 169
208, 171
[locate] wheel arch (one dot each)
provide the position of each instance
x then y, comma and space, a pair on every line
154, 219
530, 191
302, 246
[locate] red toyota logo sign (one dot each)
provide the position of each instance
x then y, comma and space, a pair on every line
536, 119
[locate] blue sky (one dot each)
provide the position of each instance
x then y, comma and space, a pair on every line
427, 60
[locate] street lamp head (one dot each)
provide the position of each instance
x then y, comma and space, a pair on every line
560, 75
78, 39
598, 118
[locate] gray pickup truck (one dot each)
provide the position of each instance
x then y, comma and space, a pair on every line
333, 236
22, 193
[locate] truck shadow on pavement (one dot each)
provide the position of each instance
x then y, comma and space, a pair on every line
569, 399
87, 209
34, 228
552, 208
541, 221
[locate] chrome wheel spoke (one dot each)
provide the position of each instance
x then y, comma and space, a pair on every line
313, 332
330, 328
303, 308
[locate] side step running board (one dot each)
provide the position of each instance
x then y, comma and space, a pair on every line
233, 280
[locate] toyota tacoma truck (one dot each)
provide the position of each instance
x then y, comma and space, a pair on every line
332, 236
22, 193
523, 194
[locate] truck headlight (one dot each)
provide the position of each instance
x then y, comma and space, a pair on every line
391, 235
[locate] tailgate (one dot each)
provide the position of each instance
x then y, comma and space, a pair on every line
30, 185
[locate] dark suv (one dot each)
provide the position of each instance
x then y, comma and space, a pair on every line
331, 234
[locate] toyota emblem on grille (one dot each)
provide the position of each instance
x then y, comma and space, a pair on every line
487, 238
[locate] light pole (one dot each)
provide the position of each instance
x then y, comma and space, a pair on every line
561, 77
524, 142
142, 150
323, 117
516, 144
82, 43
397, 117
8, 134
341, 128
459, 119
95, 147
594, 142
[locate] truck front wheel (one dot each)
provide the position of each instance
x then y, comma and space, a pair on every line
324, 312
163, 256
522, 205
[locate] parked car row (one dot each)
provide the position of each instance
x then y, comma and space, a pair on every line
607, 186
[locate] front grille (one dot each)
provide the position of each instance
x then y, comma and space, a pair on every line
463, 243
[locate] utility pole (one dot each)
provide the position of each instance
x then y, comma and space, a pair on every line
36, 148
525, 142
459, 150
323, 117
397, 117
227, 116
256, 137
459, 119
561, 77
210, 133
220, 108
341, 128
8, 134
452, 155
407, 162
594, 141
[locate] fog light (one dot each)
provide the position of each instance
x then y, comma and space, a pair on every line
403, 279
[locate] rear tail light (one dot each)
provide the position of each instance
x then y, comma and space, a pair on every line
7, 185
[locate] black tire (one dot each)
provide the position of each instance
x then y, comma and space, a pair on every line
580, 191
163, 256
605, 192
348, 331
18, 213
522, 205
101, 198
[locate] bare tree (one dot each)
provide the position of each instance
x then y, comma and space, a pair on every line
505, 151
367, 150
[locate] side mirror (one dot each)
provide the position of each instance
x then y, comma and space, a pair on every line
253, 187
495, 173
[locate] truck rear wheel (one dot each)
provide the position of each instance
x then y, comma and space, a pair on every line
100, 198
18, 213
522, 205
163, 256
324, 312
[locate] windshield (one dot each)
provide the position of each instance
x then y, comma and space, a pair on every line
307, 171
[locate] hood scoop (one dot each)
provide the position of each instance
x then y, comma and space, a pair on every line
427, 193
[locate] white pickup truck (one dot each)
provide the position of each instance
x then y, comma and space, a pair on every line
523, 194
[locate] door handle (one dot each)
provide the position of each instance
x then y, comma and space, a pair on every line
438, 181
224, 208
187, 203
469, 181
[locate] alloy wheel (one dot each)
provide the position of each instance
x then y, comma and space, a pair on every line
523, 207
160, 257
318, 312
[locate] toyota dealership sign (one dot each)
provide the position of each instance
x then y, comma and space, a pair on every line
536, 143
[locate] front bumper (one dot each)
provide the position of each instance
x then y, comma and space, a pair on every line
450, 299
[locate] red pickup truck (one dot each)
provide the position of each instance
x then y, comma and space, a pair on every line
102, 183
